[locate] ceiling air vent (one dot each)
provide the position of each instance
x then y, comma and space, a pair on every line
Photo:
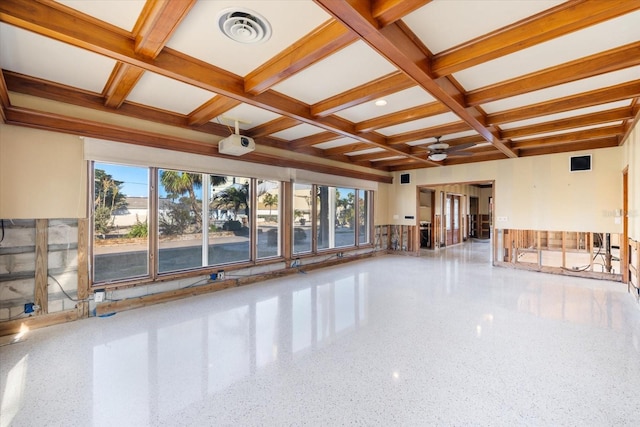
244, 25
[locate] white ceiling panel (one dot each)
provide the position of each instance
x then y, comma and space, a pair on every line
352, 66
198, 35
457, 135
248, 115
427, 122
297, 132
579, 44
123, 13
28, 53
467, 19
398, 101
167, 94
567, 89
566, 114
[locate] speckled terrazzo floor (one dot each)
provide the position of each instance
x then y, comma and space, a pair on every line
387, 341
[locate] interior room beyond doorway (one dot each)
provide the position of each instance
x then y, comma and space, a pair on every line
451, 214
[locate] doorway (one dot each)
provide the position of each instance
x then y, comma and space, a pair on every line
452, 219
452, 214
474, 220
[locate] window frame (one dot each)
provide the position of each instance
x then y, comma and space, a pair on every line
285, 239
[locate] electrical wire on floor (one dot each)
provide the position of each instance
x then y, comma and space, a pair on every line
600, 242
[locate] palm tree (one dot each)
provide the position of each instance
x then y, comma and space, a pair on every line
270, 200
107, 199
233, 197
178, 183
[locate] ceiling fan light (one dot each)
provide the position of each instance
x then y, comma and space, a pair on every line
438, 157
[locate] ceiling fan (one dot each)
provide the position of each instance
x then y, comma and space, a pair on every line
440, 150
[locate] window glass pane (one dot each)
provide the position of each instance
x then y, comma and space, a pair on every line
326, 216
229, 219
179, 220
345, 227
302, 199
363, 216
268, 216
120, 221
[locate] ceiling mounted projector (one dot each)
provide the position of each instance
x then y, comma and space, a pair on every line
236, 145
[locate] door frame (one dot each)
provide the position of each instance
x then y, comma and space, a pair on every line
624, 245
436, 188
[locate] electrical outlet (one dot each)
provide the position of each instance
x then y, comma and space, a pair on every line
221, 274
99, 295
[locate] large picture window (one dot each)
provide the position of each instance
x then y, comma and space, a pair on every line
230, 220
120, 222
179, 220
340, 217
153, 222
268, 219
302, 199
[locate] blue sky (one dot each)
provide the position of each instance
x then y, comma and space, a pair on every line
135, 180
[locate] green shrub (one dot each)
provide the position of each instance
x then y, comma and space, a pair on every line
139, 229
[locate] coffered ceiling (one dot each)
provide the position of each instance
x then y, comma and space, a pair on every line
507, 78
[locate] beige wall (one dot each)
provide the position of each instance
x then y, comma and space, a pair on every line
42, 174
381, 204
534, 192
631, 159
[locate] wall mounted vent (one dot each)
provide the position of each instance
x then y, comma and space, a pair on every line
580, 163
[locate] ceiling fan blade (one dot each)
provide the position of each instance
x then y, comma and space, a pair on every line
460, 153
460, 147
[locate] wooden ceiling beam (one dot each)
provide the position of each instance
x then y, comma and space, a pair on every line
571, 137
316, 138
402, 163
211, 109
122, 80
410, 114
48, 90
271, 127
53, 20
613, 115
389, 11
56, 122
4, 97
421, 149
370, 156
431, 132
155, 25
590, 66
484, 157
606, 142
563, 19
323, 41
399, 46
350, 148
386, 85
618, 92
157, 22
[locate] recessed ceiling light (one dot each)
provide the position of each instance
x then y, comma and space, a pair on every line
244, 25
381, 102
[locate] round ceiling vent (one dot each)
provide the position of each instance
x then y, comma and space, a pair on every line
244, 25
